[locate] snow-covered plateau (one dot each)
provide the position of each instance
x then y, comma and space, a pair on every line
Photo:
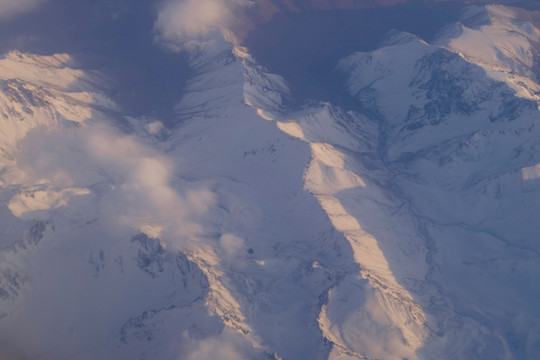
252, 221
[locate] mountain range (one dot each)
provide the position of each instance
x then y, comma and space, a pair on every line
269, 180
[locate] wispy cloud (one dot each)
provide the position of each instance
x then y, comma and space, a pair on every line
11, 8
141, 194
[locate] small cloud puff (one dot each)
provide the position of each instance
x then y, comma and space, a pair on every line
155, 127
231, 244
187, 24
227, 345
215, 349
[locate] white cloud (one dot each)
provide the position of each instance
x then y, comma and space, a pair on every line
231, 243
155, 127
141, 194
10, 8
227, 345
143, 188
215, 349
190, 23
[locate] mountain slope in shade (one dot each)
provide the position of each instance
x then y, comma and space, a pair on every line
398, 223
250, 14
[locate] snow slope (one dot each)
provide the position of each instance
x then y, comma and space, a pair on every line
459, 133
401, 229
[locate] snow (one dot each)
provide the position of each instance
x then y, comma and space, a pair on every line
404, 228
464, 174
506, 48
26, 202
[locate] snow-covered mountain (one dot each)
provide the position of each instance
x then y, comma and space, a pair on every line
373, 199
